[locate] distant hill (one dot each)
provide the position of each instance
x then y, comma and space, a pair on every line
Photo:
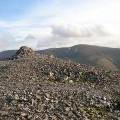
88, 54
7, 54
84, 54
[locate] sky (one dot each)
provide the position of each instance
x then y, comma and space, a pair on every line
43, 24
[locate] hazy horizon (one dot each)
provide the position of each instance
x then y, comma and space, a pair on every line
43, 24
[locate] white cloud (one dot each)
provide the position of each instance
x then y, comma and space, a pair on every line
65, 36
67, 31
64, 23
76, 31
9, 42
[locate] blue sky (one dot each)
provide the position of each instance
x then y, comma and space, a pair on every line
14, 9
42, 24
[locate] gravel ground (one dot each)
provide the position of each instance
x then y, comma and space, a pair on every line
41, 87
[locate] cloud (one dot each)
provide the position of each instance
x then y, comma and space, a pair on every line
45, 24
65, 36
53, 36
67, 31
72, 31
57, 41
8, 42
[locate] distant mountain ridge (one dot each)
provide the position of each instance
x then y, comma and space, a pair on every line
88, 54
7, 54
84, 54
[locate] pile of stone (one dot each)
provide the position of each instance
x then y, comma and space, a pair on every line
23, 52
42, 87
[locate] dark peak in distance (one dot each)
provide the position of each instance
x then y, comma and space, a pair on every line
88, 54
83, 54
24, 52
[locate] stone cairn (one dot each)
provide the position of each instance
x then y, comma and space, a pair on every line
24, 52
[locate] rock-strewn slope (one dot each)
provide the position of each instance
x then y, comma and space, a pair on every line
88, 54
41, 87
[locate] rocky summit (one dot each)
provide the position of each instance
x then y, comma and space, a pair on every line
42, 87
23, 52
